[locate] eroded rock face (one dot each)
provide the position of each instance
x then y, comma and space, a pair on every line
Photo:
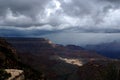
8, 57
60, 62
105, 70
43, 49
41, 54
15, 74
9, 60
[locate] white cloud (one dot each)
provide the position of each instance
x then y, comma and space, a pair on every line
12, 19
112, 19
16, 18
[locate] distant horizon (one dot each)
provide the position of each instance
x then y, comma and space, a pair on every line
80, 39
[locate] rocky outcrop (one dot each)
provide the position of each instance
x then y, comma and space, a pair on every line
8, 56
15, 74
10, 60
60, 62
107, 70
41, 54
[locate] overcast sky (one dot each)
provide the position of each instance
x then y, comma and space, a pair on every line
38, 17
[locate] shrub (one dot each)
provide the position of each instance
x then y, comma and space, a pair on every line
4, 75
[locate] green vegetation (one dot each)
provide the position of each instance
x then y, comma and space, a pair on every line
4, 75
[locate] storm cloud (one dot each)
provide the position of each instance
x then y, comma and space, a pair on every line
29, 16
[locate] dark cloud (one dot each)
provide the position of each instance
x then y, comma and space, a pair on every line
22, 6
23, 33
65, 15
113, 0
20, 12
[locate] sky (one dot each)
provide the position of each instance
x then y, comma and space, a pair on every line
45, 17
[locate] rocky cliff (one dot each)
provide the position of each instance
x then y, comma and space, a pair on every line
55, 60
58, 62
10, 60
